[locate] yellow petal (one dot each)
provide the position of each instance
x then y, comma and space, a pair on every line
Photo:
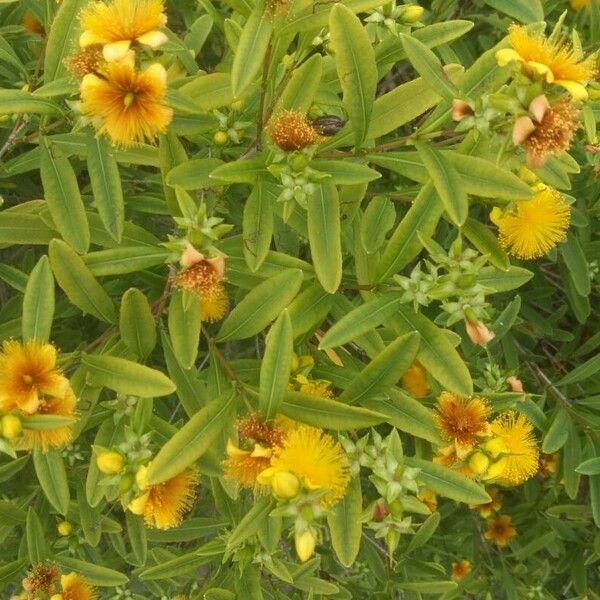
233, 450
506, 56
261, 452
264, 477
138, 505
541, 69
30, 403
116, 50
576, 89
87, 38
157, 71
89, 81
154, 39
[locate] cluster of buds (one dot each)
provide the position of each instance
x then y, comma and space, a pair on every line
397, 484
392, 20
451, 279
231, 130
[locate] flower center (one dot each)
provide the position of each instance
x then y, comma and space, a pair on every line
128, 99
27, 379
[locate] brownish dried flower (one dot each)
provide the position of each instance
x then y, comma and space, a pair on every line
41, 580
85, 61
291, 130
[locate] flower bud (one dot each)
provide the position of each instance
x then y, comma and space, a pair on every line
285, 485
495, 447
516, 385
479, 463
64, 528
460, 110
479, 333
110, 462
237, 104
305, 545
138, 505
11, 426
141, 476
190, 256
220, 138
496, 470
412, 13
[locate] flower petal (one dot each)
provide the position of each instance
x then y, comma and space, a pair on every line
576, 89
154, 39
116, 50
88, 38
541, 69
506, 56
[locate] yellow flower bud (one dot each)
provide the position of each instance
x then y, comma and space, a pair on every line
495, 447
110, 462
295, 363
478, 463
496, 470
237, 104
138, 505
220, 138
141, 477
11, 426
64, 528
412, 13
285, 485
305, 545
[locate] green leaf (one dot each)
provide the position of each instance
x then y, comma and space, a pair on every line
38, 303
326, 413
587, 369
447, 183
577, 266
95, 574
250, 51
275, 366
436, 353
251, 522
12, 468
106, 185
356, 67
36, 542
590, 466
300, 90
324, 236
184, 326
257, 226
526, 11
361, 320
557, 433
78, 283
383, 371
63, 197
309, 309
261, 305
10, 570
407, 414
89, 517
429, 587
209, 91
191, 441
194, 174
127, 377
19, 101
503, 281
486, 242
378, 219
344, 172
185, 563
60, 39
404, 245
50, 471
136, 533
246, 170
128, 259
448, 483
136, 323
345, 524
424, 533
428, 65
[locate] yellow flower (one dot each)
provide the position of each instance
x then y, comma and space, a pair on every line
494, 505
75, 587
500, 530
119, 23
462, 421
28, 373
290, 130
315, 458
553, 61
164, 504
533, 227
428, 498
204, 277
460, 569
520, 459
414, 381
125, 104
318, 387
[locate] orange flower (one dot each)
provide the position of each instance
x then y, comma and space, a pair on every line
125, 104
120, 23
479, 333
414, 381
164, 504
290, 130
494, 505
460, 569
500, 530
41, 580
462, 422
75, 587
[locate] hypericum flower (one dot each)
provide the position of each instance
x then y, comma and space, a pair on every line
414, 381
291, 130
428, 498
494, 505
533, 227
75, 587
119, 23
500, 530
515, 447
460, 569
548, 464
315, 458
552, 60
88, 60
548, 131
28, 374
478, 333
462, 421
319, 387
125, 104
41, 580
44, 439
516, 385
204, 277
164, 504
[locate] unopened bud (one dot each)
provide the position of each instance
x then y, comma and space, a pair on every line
305, 545
460, 110
141, 477
479, 463
285, 485
479, 333
110, 462
11, 426
516, 385
495, 447
412, 13
64, 528
220, 138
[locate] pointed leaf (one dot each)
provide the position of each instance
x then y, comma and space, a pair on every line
257, 226
50, 471
345, 524
136, 323
38, 303
184, 326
